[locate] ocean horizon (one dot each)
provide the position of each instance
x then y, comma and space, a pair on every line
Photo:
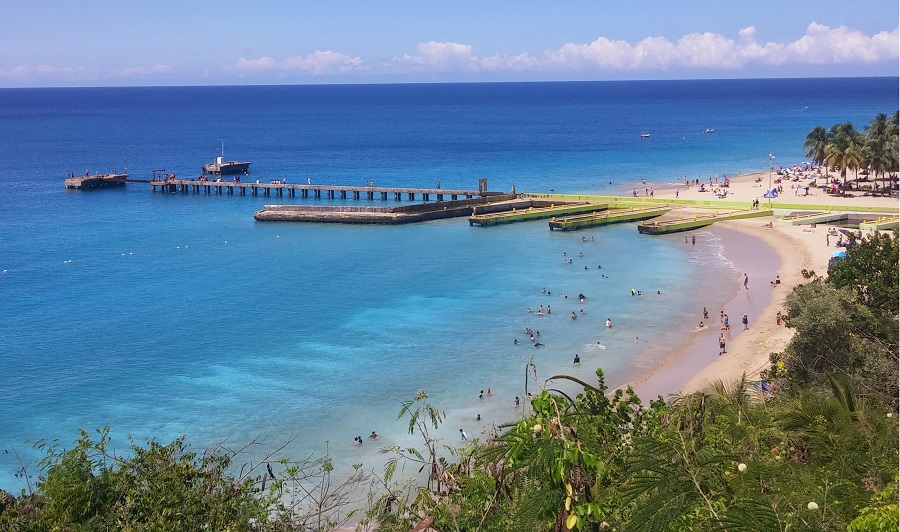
165, 314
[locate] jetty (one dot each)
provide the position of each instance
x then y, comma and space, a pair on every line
526, 209
376, 215
97, 181
683, 220
613, 215
283, 189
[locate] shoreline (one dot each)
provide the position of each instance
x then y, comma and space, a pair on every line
693, 365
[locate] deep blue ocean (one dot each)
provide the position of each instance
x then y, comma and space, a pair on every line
167, 314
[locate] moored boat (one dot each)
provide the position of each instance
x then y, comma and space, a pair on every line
223, 167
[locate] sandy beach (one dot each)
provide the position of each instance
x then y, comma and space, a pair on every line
795, 248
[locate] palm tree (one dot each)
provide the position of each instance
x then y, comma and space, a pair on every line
877, 148
844, 150
816, 142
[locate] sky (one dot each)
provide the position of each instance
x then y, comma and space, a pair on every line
61, 43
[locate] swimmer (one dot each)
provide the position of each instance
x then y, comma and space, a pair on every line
516, 341
538, 344
481, 394
373, 436
701, 325
538, 333
528, 310
608, 323
582, 312
478, 417
516, 401
532, 337
633, 292
489, 392
577, 359
574, 316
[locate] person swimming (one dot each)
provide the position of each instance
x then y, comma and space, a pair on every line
577, 359
538, 344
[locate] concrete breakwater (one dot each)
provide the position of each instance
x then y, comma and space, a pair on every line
377, 215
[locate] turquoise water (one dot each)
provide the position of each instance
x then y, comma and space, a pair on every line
167, 314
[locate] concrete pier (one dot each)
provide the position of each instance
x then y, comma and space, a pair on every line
350, 214
97, 181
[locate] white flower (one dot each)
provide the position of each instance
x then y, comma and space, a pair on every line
742, 467
812, 506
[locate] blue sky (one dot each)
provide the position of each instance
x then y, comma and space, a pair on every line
229, 42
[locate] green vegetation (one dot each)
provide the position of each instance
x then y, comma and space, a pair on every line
845, 149
812, 447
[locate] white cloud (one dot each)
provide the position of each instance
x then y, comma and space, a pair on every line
318, 62
255, 65
40, 73
820, 45
144, 71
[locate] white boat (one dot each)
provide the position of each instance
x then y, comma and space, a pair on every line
645, 135
709, 130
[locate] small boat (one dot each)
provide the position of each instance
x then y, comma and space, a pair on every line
645, 135
709, 130
223, 167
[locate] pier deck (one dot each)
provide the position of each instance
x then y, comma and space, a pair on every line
350, 214
97, 181
681, 220
281, 189
522, 210
613, 215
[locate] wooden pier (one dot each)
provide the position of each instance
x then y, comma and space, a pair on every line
97, 181
281, 189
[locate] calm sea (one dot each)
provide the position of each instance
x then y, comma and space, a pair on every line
166, 314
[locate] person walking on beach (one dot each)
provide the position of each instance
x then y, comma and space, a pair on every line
693, 239
746, 280
745, 321
721, 344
